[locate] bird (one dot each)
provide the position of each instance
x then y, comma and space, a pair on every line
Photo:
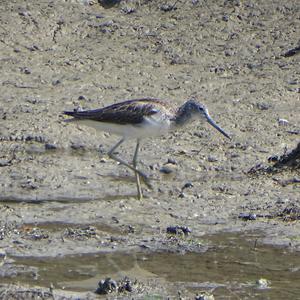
141, 118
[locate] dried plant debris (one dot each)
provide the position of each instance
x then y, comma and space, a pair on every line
289, 160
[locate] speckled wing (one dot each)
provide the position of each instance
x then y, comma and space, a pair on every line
127, 112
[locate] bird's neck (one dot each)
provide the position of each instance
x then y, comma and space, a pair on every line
183, 116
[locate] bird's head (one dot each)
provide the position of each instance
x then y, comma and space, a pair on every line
197, 110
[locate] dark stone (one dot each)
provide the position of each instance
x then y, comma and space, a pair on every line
179, 230
247, 216
166, 170
263, 106
106, 286
171, 161
4, 162
49, 146
187, 185
168, 7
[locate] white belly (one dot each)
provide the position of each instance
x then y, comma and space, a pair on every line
149, 127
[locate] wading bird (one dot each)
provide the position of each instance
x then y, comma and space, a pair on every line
141, 118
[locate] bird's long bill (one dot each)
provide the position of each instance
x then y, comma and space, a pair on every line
212, 122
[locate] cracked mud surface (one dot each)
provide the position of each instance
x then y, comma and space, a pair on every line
59, 192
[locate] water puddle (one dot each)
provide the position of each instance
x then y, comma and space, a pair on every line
230, 268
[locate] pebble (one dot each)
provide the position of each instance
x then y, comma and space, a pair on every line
4, 162
166, 170
168, 7
171, 161
187, 185
106, 286
204, 296
179, 230
77, 146
56, 82
128, 10
283, 122
49, 146
273, 158
262, 283
212, 158
247, 216
26, 70
263, 106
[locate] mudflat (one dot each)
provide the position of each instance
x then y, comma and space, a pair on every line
63, 198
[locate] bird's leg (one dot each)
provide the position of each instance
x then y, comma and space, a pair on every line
137, 176
111, 155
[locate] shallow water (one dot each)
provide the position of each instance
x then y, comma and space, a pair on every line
229, 269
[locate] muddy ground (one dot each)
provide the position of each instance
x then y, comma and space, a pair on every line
61, 195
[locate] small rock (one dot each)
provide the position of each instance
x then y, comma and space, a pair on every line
247, 216
49, 146
125, 285
128, 10
282, 201
115, 219
171, 161
168, 7
262, 283
187, 185
106, 286
77, 146
212, 158
273, 158
204, 296
56, 82
179, 230
263, 106
24, 13
131, 229
166, 170
33, 47
106, 24
283, 122
26, 70
225, 18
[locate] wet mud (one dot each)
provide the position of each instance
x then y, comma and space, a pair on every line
69, 216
